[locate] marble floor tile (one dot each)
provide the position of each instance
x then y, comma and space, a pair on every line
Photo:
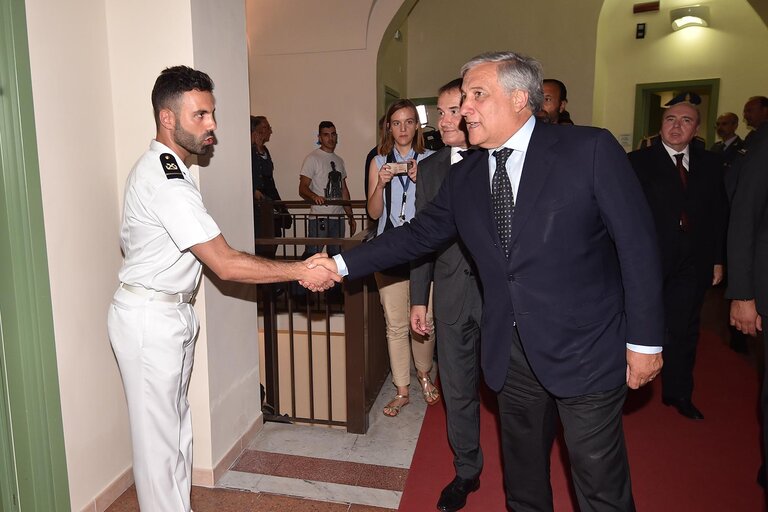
239, 480
368, 508
381, 477
277, 503
254, 461
369, 472
321, 470
324, 491
310, 441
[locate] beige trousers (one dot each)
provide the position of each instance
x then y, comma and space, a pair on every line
395, 298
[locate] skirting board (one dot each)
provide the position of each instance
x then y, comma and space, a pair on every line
202, 477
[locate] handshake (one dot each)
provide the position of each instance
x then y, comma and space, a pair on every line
319, 273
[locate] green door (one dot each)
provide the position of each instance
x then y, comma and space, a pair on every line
33, 471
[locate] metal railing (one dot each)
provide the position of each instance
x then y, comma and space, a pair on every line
319, 332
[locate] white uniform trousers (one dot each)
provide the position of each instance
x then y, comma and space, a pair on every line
154, 344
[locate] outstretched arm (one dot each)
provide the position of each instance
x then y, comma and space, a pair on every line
233, 265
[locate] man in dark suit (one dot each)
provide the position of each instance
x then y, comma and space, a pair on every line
684, 187
457, 310
748, 255
729, 147
565, 247
755, 115
729, 144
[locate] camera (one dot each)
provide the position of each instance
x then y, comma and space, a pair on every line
400, 168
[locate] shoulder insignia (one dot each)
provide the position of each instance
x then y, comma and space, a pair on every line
647, 141
171, 168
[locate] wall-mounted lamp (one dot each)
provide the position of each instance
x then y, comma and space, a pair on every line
692, 16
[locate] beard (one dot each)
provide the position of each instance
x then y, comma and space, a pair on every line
188, 141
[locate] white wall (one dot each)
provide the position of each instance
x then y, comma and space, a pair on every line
732, 49
73, 98
323, 68
93, 66
444, 34
227, 389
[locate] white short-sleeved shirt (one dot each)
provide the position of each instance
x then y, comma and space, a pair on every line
163, 216
326, 170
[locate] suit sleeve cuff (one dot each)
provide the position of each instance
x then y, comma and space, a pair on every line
643, 349
341, 266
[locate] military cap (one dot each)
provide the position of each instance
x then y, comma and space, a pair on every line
684, 97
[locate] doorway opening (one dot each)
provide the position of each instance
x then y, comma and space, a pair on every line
650, 100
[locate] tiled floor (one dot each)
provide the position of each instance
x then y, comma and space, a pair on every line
305, 468
225, 500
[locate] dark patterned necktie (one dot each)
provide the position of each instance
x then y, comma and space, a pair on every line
503, 199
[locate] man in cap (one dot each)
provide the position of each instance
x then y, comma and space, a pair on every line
684, 188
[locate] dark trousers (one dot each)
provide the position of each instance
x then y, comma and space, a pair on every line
764, 403
684, 291
594, 436
458, 347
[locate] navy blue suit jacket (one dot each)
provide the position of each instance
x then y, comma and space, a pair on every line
583, 276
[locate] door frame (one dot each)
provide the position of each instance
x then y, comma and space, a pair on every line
33, 466
643, 97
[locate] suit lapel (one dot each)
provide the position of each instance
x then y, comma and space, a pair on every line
442, 166
478, 191
536, 169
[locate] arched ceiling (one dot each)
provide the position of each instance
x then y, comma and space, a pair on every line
761, 8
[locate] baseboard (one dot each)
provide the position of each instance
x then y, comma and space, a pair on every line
209, 477
111, 492
203, 477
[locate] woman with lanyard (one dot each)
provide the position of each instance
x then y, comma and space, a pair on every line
391, 200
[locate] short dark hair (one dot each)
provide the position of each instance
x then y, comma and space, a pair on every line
256, 121
761, 99
453, 84
175, 81
561, 85
325, 124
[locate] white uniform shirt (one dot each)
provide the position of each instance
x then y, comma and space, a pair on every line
163, 216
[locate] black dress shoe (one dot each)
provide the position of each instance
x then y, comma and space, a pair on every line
685, 407
454, 496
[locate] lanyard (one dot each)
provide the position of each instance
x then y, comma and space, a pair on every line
404, 182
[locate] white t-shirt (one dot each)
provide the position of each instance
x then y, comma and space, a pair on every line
326, 170
163, 216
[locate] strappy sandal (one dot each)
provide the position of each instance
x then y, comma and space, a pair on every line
429, 390
393, 410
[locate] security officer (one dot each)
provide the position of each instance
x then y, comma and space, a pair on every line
165, 235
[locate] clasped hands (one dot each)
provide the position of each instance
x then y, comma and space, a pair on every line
321, 273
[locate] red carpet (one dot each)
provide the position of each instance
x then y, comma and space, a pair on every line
677, 464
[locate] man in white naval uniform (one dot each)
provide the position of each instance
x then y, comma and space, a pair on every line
166, 234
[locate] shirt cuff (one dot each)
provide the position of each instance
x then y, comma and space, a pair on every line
643, 349
341, 266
